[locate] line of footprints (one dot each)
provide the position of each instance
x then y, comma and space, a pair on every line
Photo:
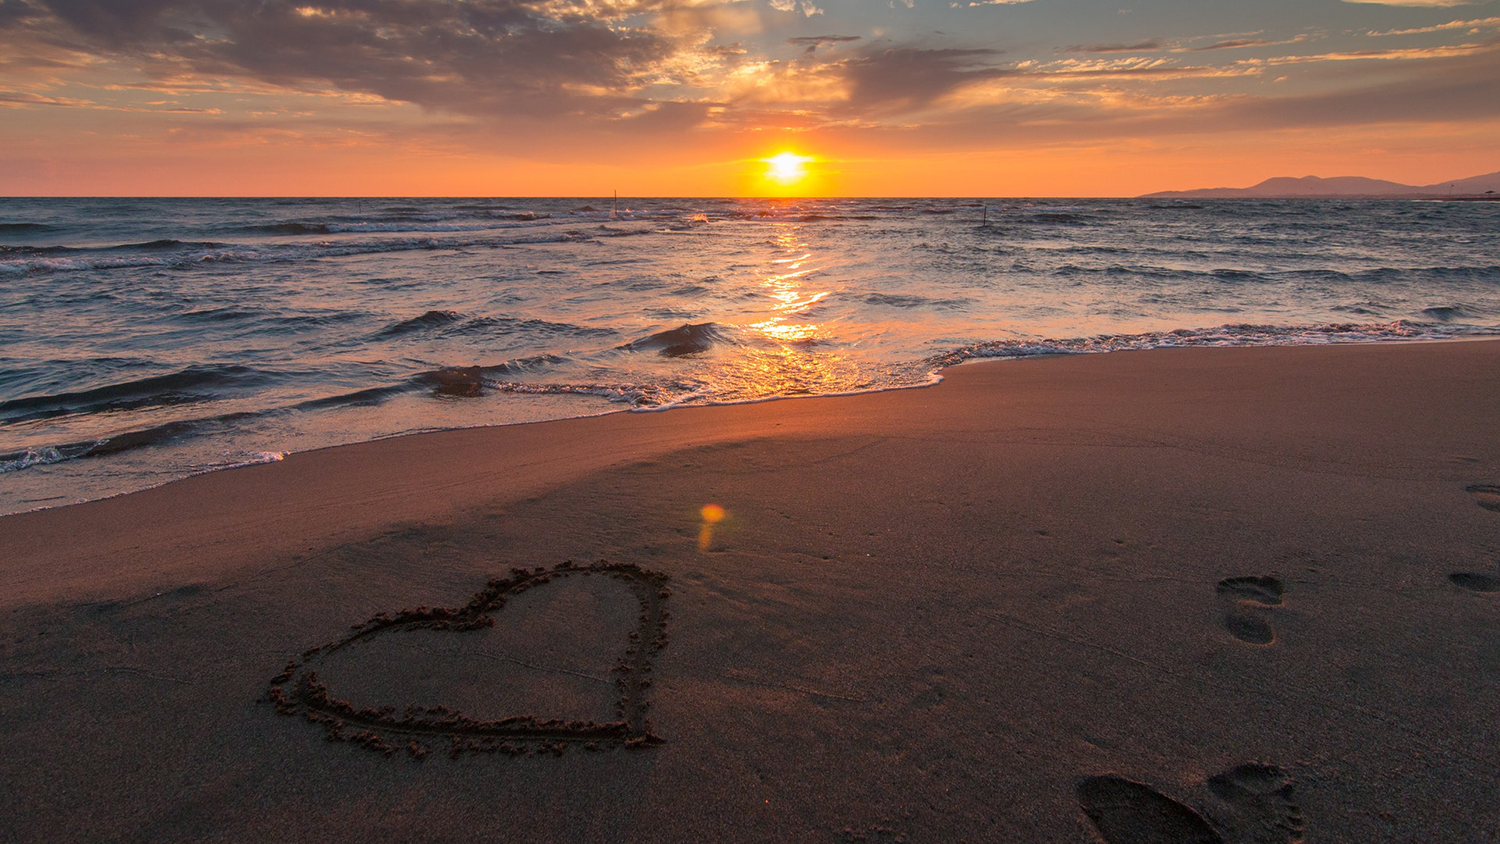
1255, 802
1246, 599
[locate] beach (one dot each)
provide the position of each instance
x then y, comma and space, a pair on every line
1239, 595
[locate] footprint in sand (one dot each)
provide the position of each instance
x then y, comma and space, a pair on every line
1127, 812
1475, 581
1258, 803
1250, 804
1486, 496
1240, 595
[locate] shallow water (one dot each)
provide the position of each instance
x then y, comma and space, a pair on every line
142, 340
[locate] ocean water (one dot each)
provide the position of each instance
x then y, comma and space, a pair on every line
143, 340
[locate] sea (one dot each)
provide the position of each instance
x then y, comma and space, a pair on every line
146, 340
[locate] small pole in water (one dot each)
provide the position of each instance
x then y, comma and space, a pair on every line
614, 210
985, 219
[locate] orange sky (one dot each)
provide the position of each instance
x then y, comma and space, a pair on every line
688, 97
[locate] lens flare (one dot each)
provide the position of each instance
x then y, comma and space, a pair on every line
712, 514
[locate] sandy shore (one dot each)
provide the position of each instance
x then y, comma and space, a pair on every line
1239, 595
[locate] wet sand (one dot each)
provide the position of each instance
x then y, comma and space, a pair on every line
1238, 595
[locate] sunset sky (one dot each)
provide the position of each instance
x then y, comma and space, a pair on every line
692, 97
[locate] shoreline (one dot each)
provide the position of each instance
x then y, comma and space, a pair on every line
938, 363
537, 430
1251, 582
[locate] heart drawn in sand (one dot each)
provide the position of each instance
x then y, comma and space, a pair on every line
298, 691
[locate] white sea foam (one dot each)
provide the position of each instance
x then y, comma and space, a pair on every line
1223, 335
32, 457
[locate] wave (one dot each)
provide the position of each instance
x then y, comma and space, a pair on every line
681, 341
637, 395
1474, 273
50, 265
45, 456
25, 228
818, 218
902, 300
1450, 313
167, 243
195, 383
537, 326
402, 219
459, 381
1054, 218
1223, 335
471, 381
394, 227
289, 228
160, 245
367, 397
32, 250
180, 429
431, 319
28, 260
117, 443
455, 323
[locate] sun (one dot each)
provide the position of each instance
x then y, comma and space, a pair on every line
787, 167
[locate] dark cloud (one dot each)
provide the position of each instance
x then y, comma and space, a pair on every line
1453, 90
16, 11
1144, 46
114, 21
813, 42
14, 98
1450, 89
481, 57
909, 78
1233, 45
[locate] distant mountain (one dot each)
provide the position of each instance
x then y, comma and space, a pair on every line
1342, 186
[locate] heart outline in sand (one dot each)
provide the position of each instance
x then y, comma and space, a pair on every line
297, 691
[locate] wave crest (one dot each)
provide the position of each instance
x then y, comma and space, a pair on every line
685, 339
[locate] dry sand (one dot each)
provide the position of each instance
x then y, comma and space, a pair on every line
1239, 595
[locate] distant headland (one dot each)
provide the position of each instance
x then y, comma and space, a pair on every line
1486, 187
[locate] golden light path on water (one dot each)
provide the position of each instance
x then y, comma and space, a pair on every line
792, 363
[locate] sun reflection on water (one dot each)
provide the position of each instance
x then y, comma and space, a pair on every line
791, 362
790, 299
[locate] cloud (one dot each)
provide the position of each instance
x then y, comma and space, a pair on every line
805, 6
22, 99
481, 57
13, 11
1240, 43
1460, 87
1155, 45
559, 74
1408, 54
911, 78
1123, 68
1481, 23
811, 43
17, 99
1419, 2
1142, 47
